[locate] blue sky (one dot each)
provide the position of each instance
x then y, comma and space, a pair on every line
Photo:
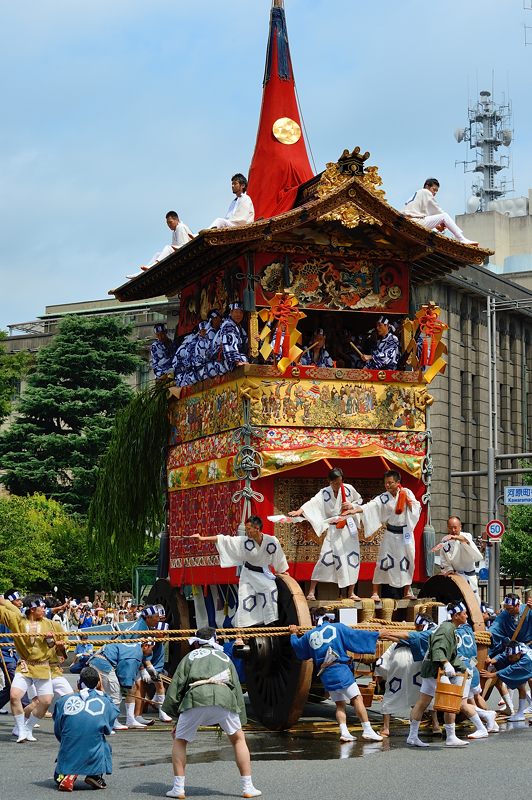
114, 111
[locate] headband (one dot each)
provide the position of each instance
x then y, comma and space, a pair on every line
160, 328
486, 609
38, 602
326, 617
213, 314
150, 611
160, 610
513, 648
162, 626
13, 596
212, 641
237, 305
457, 609
426, 623
511, 601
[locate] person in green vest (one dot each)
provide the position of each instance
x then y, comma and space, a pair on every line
205, 690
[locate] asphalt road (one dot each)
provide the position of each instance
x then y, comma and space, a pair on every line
307, 762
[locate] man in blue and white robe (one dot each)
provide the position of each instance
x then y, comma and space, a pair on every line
162, 351
505, 624
233, 339
182, 360
81, 723
318, 356
467, 650
327, 645
385, 354
514, 667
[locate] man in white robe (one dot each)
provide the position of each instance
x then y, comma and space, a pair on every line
241, 211
459, 553
339, 560
255, 553
399, 511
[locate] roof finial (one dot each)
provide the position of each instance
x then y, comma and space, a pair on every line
278, 4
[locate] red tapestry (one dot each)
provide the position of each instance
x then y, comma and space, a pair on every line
207, 510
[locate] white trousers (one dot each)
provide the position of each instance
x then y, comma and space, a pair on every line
436, 219
165, 252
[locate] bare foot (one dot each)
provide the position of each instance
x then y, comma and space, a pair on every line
376, 598
311, 596
354, 597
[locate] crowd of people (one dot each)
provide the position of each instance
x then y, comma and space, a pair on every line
205, 689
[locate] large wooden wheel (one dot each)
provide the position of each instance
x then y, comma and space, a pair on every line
453, 589
177, 616
277, 683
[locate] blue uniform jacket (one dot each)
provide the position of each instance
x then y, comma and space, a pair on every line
125, 659
514, 675
335, 635
81, 723
503, 628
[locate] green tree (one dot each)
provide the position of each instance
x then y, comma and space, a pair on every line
66, 413
516, 544
13, 367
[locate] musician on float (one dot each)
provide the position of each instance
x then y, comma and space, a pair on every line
385, 354
316, 355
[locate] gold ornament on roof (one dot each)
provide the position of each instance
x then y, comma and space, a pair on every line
286, 130
349, 214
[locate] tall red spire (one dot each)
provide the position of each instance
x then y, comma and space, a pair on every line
280, 162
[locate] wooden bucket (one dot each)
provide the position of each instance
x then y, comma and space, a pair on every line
448, 696
367, 693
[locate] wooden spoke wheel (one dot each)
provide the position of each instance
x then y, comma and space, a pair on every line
454, 589
277, 683
177, 617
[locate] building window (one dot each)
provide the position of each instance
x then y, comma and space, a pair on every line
143, 376
463, 395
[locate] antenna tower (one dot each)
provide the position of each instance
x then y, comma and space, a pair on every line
490, 126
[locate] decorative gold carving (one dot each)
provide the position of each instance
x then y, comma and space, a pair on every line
286, 130
253, 334
348, 214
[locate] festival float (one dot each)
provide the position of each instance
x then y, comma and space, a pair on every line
328, 251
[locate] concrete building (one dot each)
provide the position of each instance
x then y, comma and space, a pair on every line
32, 336
459, 416
506, 228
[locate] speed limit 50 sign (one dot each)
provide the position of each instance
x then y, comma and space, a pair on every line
495, 529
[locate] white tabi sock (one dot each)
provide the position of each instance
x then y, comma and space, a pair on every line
20, 722
414, 727
507, 697
477, 722
522, 705
31, 721
344, 730
450, 730
179, 783
158, 698
130, 713
366, 727
247, 783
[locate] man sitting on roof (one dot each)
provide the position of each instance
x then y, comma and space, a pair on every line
181, 235
241, 211
423, 208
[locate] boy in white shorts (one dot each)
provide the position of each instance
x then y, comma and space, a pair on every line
205, 690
